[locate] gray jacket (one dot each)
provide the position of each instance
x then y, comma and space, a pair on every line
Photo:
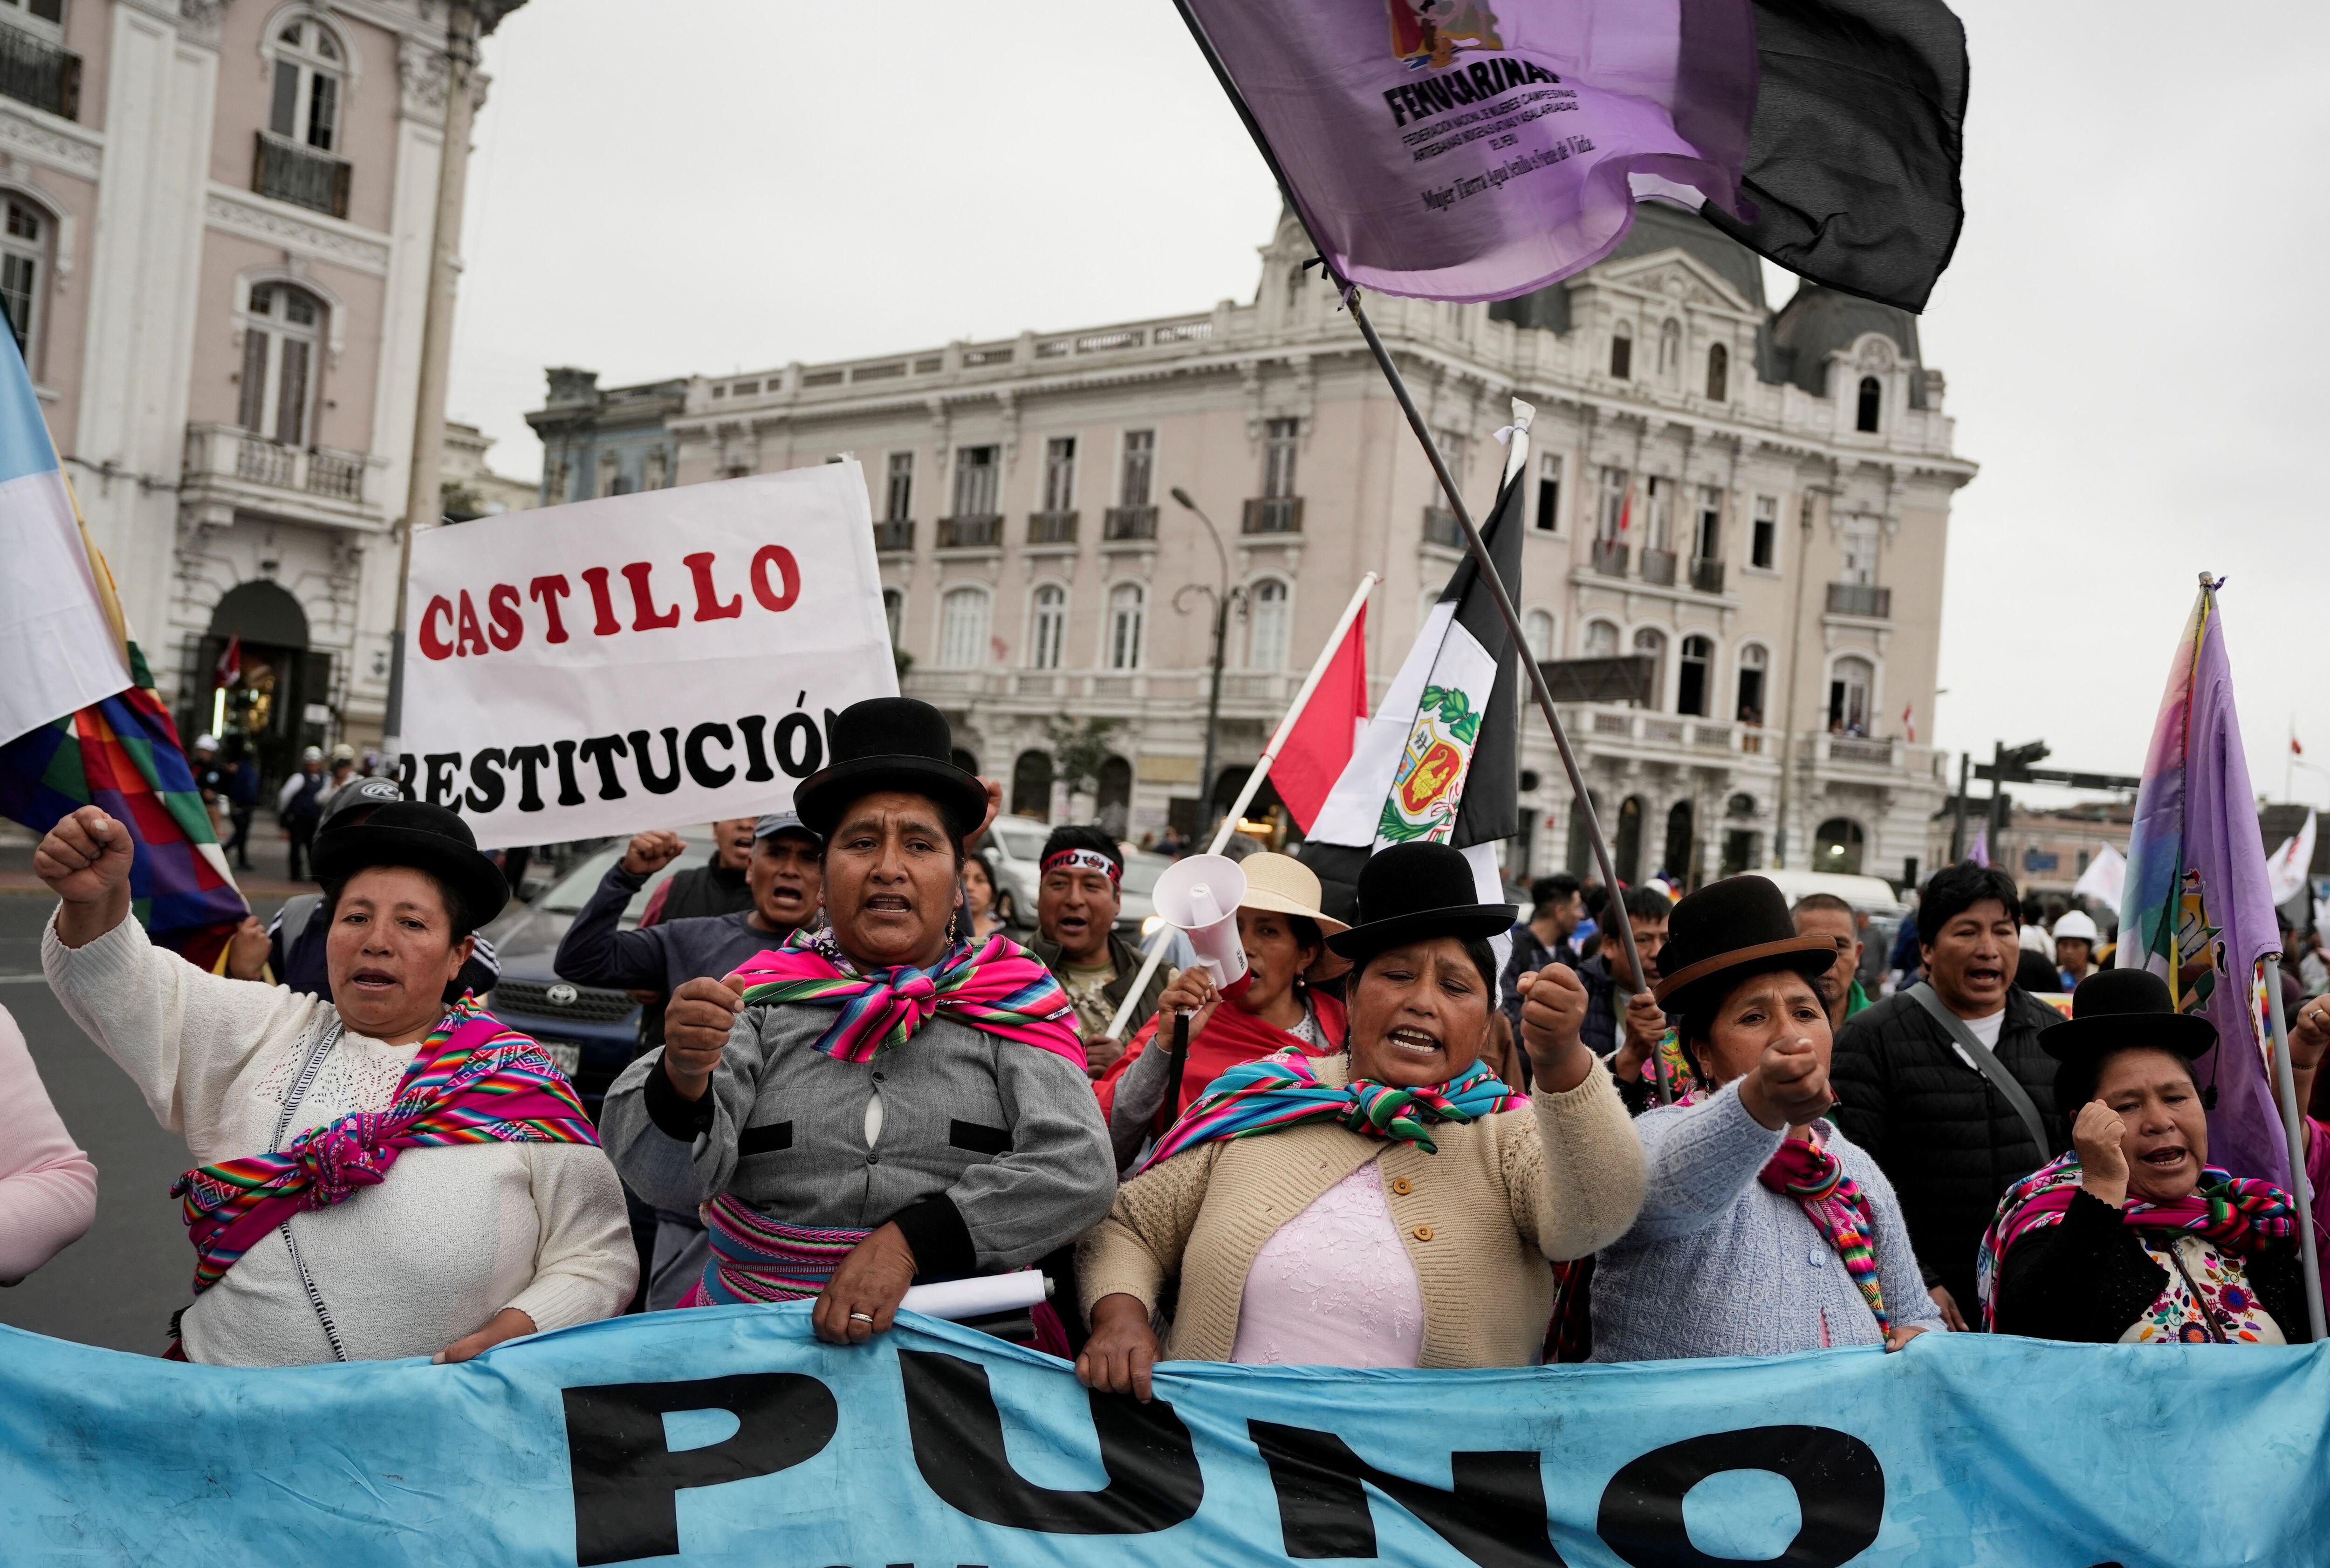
987, 1153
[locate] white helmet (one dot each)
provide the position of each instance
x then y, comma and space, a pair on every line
205, 743
312, 754
2076, 925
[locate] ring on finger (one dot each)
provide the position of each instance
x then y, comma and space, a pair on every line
861, 1317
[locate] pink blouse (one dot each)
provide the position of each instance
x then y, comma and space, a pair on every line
1333, 1286
48, 1189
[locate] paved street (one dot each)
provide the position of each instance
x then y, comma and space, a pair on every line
118, 1284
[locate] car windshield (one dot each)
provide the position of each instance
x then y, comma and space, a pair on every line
1019, 840
1141, 872
572, 892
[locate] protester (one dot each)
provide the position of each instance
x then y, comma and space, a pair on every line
296, 951
1945, 1084
2076, 939
381, 1179
300, 808
1556, 906
2132, 1237
1393, 1207
1076, 905
882, 1103
210, 782
241, 804
48, 1188
2036, 973
1823, 914
1273, 1007
2310, 1040
786, 883
1748, 1176
341, 772
978, 898
1904, 963
722, 886
2312, 968
1625, 1025
2033, 937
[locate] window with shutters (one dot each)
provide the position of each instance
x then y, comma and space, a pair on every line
1849, 680
1601, 640
283, 329
1537, 630
1280, 438
1060, 474
898, 496
1670, 351
310, 81
1652, 644
975, 470
963, 629
1139, 476
1266, 610
26, 241
1127, 603
1049, 627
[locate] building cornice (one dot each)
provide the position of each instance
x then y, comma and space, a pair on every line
50, 140
297, 229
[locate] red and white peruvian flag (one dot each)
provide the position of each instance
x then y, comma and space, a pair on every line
1320, 746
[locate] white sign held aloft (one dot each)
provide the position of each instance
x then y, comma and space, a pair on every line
641, 661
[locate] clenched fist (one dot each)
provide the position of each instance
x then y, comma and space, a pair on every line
2098, 1136
85, 860
696, 1031
1788, 1087
1553, 1010
651, 851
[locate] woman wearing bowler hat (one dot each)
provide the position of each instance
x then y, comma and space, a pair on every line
1395, 1205
878, 1102
1764, 1230
2133, 1237
382, 1174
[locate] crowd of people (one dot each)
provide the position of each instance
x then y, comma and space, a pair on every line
1383, 1144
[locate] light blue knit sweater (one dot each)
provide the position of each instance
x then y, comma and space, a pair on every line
1718, 1264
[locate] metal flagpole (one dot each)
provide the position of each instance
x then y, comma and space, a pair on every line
2293, 1128
1473, 542
1163, 937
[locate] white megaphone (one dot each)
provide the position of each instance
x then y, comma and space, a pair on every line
1200, 895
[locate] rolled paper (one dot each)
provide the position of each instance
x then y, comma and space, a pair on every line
978, 1297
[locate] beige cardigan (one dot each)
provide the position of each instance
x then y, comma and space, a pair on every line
1560, 1179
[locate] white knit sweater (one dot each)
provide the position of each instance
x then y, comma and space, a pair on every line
452, 1235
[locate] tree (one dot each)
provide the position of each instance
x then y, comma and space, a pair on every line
1078, 750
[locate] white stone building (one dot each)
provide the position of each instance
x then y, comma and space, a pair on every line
1783, 480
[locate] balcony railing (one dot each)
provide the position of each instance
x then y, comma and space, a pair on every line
1861, 598
1129, 523
1610, 558
35, 72
1051, 528
1273, 515
229, 454
980, 531
1441, 527
895, 533
1858, 750
301, 176
1706, 576
1659, 567
1612, 724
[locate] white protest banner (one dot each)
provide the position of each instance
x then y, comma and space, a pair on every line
641, 661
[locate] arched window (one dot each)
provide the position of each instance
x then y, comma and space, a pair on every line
963, 629
1719, 375
1126, 604
1850, 680
1653, 643
1694, 675
1601, 640
1050, 629
281, 331
893, 611
1031, 785
1537, 628
1626, 845
1872, 403
1622, 351
25, 242
1113, 796
1670, 351
1837, 846
1266, 628
1753, 660
310, 70
1681, 849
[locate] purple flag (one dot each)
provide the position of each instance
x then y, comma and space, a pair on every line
1477, 149
2197, 908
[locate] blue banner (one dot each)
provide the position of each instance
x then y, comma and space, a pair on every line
731, 1436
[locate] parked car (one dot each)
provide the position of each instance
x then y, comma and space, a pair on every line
592, 1031
1014, 845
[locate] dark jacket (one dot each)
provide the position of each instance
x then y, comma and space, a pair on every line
2089, 1279
1605, 1000
711, 889
1529, 955
1948, 1142
1127, 959
597, 952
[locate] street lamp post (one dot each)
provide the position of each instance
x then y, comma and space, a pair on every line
1222, 596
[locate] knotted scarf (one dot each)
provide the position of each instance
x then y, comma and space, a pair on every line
1837, 1207
2238, 1213
1284, 1090
992, 984
474, 1080
1231, 1037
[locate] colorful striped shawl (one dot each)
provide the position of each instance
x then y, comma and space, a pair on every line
757, 1258
993, 985
2238, 1213
1284, 1090
474, 1080
1837, 1207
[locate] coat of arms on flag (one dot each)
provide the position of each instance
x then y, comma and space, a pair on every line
1430, 779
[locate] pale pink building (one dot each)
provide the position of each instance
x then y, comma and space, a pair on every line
215, 245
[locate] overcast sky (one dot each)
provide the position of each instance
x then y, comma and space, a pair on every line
2133, 328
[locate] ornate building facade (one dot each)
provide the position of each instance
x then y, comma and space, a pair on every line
219, 215
1752, 503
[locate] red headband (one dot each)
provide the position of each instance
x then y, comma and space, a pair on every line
1084, 860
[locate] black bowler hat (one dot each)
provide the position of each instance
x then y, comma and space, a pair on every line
2117, 1010
426, 838
1728, 931
1411, 892
891, 743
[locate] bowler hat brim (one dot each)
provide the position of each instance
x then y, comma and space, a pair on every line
1467, 922
2100, 1034
822, 796
1692, 989
343, 851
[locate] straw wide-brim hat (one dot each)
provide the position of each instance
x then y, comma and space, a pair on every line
1283, 884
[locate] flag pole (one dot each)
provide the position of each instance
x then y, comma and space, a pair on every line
2293, 1128
1473, 542
1163, 937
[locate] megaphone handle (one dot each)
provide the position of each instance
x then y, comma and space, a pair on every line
1168, 1109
